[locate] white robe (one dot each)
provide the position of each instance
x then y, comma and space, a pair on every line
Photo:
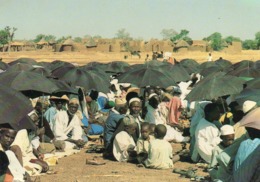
122, 142
207, 137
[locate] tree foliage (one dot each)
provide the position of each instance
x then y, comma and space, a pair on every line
45, 37
183, 35
168, 33
230, 39
3, 37
123, 34
257, 40
215, 40
77, 39
249, 44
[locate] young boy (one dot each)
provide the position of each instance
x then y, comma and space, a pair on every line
227, 137
143, 142
124, 148
160, 151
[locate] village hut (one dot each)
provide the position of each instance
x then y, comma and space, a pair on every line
181, 46
29, 46
42, 44
198, 45
91, 45
16, 46
67, 45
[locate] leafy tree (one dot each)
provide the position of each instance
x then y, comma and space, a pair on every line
10, 35
122, 34
49, 37
183, 35
45, 37
62, 39
215, 40
38, 38
249, 44
257, 39
78, 39
168, 33
3, 37
231, 38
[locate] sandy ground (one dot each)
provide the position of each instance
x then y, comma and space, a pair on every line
75, 169
82, 58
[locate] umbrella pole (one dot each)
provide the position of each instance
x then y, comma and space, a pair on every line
223, 105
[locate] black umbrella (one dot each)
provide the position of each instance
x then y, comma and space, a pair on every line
31, 84
86, 79
64, 88
3, 65
146, 76
23, 60
58, 63
176, 72
19, 67
97, 69
116, 66
94, 63
240, 65
41, 70
14, 109
207, 65
223, 63
248, 94
190, 65
210, 70
253, 84
245, 72
215, 86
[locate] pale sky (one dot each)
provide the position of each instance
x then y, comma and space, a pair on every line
141, 18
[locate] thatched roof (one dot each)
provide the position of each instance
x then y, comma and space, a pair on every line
91, 43
52, 42
69, 41
29, 43
201, 43
182, 43
16, 43
42, 42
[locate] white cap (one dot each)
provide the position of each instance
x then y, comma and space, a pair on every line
151, 95
248, 105
227, 130
135, 99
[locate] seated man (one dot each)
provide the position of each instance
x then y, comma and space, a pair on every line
160, 151
67, 126
124, 145
207, 135
10, 168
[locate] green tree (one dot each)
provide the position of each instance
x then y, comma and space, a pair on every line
257, 39
77, 39
123, 34
168, 33
230, 39
49, 37
38, 38
249, 44
215, 40
3, 37
183, 35
63, 38
10, 33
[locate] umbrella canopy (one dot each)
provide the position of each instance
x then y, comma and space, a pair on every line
41, 70
253, 84
189, 63
146, 76
3, 65
94, 63
96, 69
223, 63
64, 88
58, 63
23, 60
248, 94
20, 67
14, 109
61, 71
176, 72
240, 65
245, 72
154, 63
208, 64
31, 84
116, 66
86, 79
214, 86
210, 70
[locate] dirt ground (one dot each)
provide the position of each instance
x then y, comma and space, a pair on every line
74, 169
82, 58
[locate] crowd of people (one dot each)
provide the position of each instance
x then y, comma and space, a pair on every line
138, 126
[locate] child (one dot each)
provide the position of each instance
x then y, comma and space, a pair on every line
160, 151
152, 128
124, 145
143, 142
227, 136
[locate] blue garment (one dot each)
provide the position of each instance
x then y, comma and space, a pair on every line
246, 148
101, 103
110, 127
95, 128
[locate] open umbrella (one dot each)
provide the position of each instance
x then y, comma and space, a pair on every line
176, 72
64, 88
189, 63
41, 70
214, 86
253, 84
31, 84
245, 72
146, 76
23, 60
210, 70
116, 66
3, 65
223, 63
58, 63
208, 64
14, 109
19, 67
248, 94
86, 79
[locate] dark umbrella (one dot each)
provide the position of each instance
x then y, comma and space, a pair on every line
64, 88
3, 65
245, 72
248, 94
240, 65
207, 65
20, 67
190, 65
41, 70
94, 63
29, 83
223, 63
58, 63
210, 70
86, 79
116, 66
61, 71
14, 109
215, 86
253, 84
23, 60
146, 76
176, 72
97, 69
154, 63
44, 64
